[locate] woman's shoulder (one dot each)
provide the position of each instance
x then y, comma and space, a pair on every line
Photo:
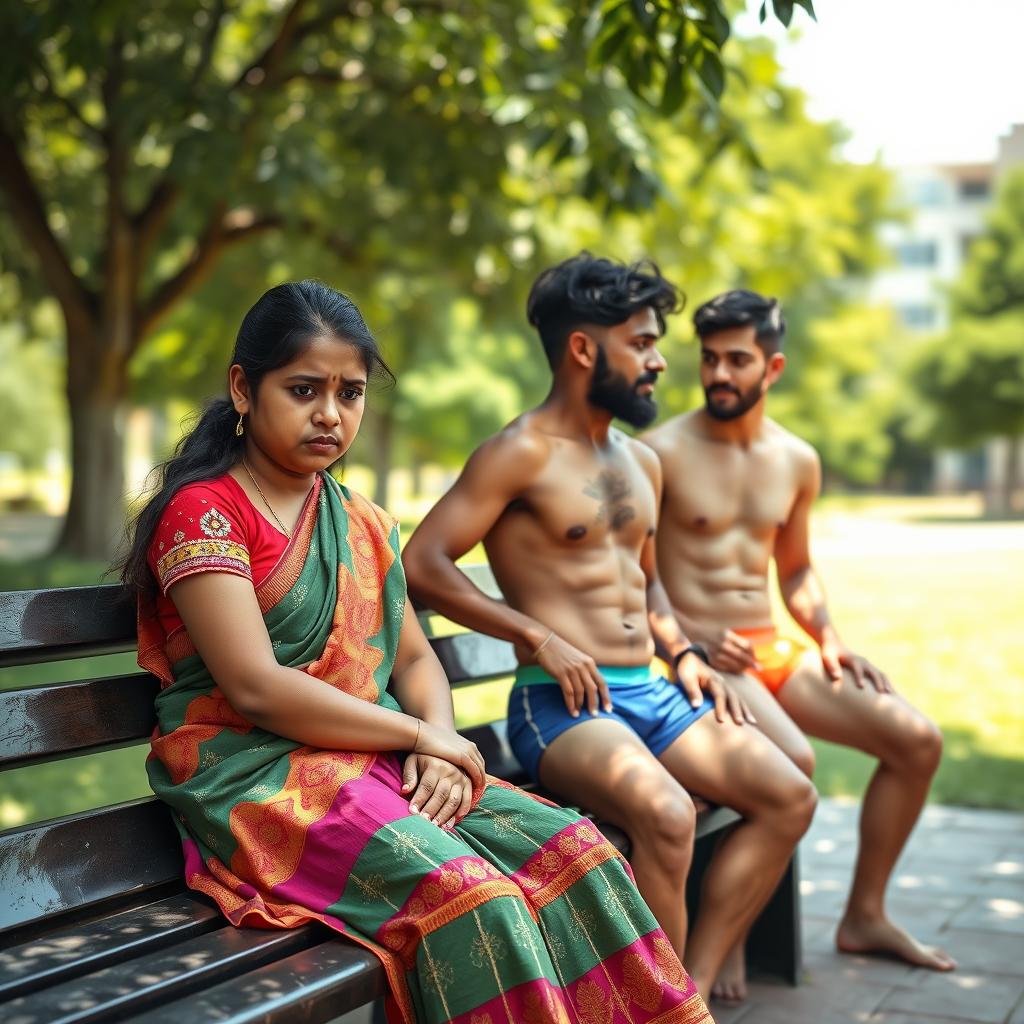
205, 509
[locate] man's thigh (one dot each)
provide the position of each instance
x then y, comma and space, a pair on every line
603, 766
772, 719
846, 713
734, 765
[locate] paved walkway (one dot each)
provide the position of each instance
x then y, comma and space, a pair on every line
960, 884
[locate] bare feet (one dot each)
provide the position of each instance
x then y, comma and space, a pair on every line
731, 984
880, 937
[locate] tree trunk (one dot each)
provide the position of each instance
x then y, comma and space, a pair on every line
382, 447
96, 389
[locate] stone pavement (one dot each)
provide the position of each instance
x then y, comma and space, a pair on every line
959, 884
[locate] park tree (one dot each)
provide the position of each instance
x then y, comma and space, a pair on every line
971, 379
141, 145
785, 214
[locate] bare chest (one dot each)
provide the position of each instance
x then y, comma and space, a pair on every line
716, 496
586, 506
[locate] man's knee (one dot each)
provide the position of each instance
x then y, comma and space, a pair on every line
667, 826
794, 801
922, 746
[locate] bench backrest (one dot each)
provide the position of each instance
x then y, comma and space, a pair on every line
74, 862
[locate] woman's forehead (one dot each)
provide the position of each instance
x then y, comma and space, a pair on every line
328, 357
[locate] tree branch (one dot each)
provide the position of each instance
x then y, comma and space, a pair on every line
222, 233
69, 105
149, 221
267, 63
29, 216
207, 46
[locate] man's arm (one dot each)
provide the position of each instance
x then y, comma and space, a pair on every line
498, 472
802, 589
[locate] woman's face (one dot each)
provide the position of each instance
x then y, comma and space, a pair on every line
307, 413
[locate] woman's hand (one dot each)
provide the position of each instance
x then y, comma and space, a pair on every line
440, 791
448, 745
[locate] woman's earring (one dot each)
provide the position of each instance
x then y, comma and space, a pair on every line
239, 428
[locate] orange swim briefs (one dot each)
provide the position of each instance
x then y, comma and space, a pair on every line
778, 655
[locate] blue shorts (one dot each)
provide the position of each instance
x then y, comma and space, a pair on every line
655, 709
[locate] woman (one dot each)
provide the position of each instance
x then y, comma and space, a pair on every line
305, 737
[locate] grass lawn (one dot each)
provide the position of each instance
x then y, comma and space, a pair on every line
934, 598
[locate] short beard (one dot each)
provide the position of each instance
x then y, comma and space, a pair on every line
613, 393
745, 402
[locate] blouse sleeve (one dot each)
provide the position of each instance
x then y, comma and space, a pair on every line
198, 532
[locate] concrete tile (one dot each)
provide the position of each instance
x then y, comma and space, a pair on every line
824, 990
982, 952
991, 914
856, 968
913, 1018
987, 999
1017, 1017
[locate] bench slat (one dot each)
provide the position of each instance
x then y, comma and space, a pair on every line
131, 987
49, 625
66, 953
74, 862
313, 986
472, 657
39, 723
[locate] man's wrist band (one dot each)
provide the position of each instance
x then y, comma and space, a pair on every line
692, 649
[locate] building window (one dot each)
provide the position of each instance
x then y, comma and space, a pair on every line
917, 254
918, 317
927, 192
966, 241
975, 189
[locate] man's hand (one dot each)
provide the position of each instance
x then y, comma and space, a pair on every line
696, 679
440, 791
576, 673
732, 653
836, 656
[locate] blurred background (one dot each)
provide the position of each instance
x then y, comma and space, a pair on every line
163, 164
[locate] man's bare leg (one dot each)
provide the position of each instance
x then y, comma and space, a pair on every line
908, 747
731, 984
738, 766
603, 766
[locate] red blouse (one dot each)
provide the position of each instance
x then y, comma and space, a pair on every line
211, 527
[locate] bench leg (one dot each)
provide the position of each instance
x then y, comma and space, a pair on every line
774, 946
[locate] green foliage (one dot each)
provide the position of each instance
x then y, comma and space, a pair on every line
992, 281
30, 396
972, 379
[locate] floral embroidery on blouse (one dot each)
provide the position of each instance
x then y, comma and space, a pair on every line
214, 524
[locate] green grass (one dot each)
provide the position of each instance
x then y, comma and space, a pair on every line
933, 597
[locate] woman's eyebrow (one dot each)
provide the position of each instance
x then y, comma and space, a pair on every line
309, 378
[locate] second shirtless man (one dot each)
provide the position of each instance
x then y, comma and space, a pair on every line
738, 493
566, 507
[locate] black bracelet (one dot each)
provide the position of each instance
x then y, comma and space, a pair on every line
692, 649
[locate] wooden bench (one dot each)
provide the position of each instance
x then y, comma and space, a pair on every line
95, 922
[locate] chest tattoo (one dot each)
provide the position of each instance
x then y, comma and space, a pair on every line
613, 490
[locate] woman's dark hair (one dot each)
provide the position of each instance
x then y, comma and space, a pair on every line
274, 333
589, 289
742, 308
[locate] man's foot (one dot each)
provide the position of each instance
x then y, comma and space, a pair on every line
880, 937
731, 984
